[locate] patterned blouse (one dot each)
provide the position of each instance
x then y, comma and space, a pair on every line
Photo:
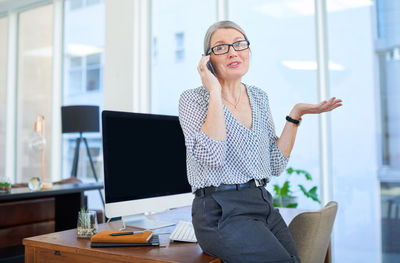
244, 155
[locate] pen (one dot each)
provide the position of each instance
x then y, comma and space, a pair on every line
126, 233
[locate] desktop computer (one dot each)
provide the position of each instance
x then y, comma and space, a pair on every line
144, 166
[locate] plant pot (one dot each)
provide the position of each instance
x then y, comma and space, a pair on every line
87, 224
5, 187
5, 184
86, 232
289, 202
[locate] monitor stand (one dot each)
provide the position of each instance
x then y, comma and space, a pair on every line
143, 222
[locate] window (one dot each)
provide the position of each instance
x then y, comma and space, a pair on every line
78, 4
282, 63
75, 75
35, 39
177, 49
75, 4
155, 50
92, 2
353, 130
388, 53
83, 80
3, 84
84, 74
180, 47
390, 221
390, 95
388, 17
93, 74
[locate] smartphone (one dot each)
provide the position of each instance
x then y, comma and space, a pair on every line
211, 68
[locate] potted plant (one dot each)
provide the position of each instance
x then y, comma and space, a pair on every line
5, 184
284, 196
87, 223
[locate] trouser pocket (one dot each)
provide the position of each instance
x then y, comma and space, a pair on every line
268, 200
197, 206
266, 195
212, 211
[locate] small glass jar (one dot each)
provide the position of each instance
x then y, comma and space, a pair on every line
87, 224
35, 184
5, 184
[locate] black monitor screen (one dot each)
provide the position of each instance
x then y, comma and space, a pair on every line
144, 156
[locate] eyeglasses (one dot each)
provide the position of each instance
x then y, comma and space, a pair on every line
224, 48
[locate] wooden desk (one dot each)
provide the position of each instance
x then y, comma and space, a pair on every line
66, 247
24, 213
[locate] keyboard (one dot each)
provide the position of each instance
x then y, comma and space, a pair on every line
183, 232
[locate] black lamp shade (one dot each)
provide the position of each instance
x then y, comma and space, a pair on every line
80, 118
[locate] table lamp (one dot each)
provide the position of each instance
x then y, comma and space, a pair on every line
37, 143
80, 119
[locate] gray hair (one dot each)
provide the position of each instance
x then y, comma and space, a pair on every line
214, 27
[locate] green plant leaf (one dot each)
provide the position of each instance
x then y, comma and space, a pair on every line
292, 205
303, 189
298, 171
285, 190
313, 194
277, 190
310, 194
308, 176
313, 190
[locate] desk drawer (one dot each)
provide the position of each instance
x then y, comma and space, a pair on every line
26, 211
12, 236
42, 255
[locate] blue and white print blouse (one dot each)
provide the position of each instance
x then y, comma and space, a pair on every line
244, 155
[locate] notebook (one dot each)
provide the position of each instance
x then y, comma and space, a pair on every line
104, 239
153, 241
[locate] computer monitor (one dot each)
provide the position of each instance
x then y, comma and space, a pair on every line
144, 166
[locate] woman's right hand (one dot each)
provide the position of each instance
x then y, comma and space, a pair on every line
207, 78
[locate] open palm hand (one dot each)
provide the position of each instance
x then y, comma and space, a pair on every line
324, 106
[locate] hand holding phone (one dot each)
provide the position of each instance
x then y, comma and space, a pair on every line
211, 68
209, 81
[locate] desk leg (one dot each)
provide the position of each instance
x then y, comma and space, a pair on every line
29, 254
67, 208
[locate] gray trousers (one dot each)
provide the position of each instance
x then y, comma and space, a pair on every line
241, 226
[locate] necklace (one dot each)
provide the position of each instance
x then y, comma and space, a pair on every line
238, 100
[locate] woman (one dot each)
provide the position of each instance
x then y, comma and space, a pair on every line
232, 151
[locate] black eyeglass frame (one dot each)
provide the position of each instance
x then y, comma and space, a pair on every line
229, 45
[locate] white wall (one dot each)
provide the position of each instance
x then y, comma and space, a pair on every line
127, 75
118, 55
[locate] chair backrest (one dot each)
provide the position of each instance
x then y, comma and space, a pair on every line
311, 232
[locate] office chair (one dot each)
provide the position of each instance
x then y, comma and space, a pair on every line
311, 232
